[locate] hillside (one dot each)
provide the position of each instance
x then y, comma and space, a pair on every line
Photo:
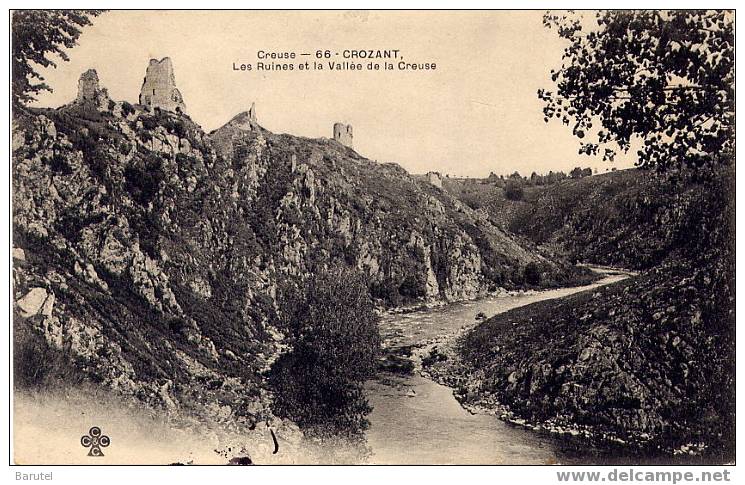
628, 218
648, 361
147, 253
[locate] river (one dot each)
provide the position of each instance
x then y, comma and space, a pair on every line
417, 421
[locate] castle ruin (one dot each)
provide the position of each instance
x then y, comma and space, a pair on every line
343, 134
159, 87
89, 90
252, 113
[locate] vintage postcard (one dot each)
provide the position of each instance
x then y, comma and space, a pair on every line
373, 237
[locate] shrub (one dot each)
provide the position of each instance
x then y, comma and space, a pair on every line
143, 177
125, 148
332, 329
387, 291
127, 109
413, 286
36, 365
513, 190
472, 200
58, 164
149, 123
532, 274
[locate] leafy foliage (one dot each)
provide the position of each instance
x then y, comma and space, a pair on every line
37, 34
532, 274
513, 190
666, 77
333, 331
578, 173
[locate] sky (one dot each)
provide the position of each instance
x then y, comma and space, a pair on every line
476, 113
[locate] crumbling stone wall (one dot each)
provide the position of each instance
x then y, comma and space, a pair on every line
343, 134
159, 87
89, 90
252, 113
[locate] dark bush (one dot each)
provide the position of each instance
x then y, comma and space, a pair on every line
332, 329
532, 274
386, 290
37, 365
143, 178
59, 165
149, 123
413, 286
472, 200
127, 109
125, 148
513, 190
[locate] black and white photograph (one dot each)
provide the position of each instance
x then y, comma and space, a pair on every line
373, 237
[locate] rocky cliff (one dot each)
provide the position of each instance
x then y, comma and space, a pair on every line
148, 253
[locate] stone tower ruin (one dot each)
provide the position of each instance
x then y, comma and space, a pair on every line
343, 134
159, 87
89, 90
252, 113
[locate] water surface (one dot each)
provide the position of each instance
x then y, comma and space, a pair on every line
417, 421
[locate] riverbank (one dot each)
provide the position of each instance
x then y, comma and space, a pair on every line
418, 421
582, 275
637, 365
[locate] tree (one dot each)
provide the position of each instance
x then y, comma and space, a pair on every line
36, 34
532, 274
513, 189
576, 173
666, 77
332, 328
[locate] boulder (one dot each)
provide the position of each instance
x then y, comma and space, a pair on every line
34, 301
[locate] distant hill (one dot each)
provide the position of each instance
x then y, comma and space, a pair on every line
628, 218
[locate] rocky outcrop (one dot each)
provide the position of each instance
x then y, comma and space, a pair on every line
36, 301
